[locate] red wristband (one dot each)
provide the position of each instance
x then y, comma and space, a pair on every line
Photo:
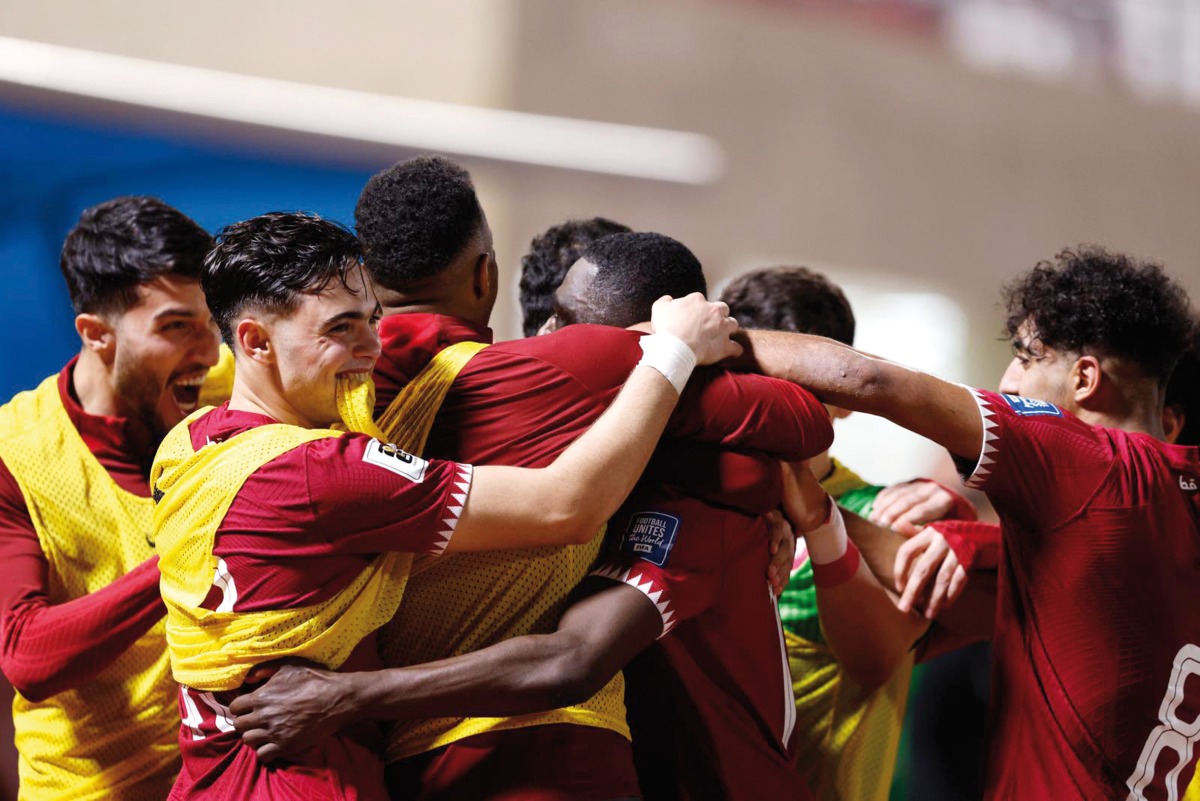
839, 571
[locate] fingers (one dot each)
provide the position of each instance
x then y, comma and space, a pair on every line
958, 583
783, 551
905, 557
921, 572
705, 327
270, 753
907, 507
939, 595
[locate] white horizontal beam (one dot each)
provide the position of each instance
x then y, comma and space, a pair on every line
602, 147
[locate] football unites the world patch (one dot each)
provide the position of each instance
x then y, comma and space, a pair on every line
650, 536
400, 462
1030, 407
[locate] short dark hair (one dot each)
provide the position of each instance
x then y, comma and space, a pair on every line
635, 269
1183, 390
123, 243
793, 299
266, 262
550, 256
415, 218
1089, 300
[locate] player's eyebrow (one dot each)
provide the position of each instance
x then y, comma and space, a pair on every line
177, 311
346, 315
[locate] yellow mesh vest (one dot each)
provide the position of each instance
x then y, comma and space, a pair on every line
464, 602
215, 650
846, 739
116, 736
1193, 790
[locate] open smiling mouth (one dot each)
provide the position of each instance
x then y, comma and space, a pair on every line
186, 392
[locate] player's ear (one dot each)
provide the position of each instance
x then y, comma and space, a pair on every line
1173, 421
253, 340
484, 276
97, 335
1086, 378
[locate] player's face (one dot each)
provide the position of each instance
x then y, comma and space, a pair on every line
1038, 371
164, 345
571, 304
330, 334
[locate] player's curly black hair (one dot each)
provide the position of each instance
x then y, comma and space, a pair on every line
1183, 391
123, 243
414, 218
266, 262
550, 255
635, 269
790, 299
1089, 300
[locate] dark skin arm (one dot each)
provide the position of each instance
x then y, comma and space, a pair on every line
938, 410
301, 705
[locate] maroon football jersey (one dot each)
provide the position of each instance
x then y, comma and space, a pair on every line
1096, 671
710, 704
300, 529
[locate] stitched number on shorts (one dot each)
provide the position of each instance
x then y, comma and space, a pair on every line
1172, 734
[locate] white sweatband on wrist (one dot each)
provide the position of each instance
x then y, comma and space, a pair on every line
669, 355
828, 542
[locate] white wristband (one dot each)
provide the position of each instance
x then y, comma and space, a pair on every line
828, 542
669, 355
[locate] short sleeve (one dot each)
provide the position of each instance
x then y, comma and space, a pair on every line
671, 552
1036, 462
357, 495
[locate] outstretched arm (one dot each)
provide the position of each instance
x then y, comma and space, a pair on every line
596, 637
840, 375
864, 629
568, 501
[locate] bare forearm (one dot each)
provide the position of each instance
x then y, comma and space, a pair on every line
516, 677
864, 629
877, 545
840, 375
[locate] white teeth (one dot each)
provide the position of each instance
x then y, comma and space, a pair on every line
190, 382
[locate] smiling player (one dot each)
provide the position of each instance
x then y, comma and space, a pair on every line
80, 612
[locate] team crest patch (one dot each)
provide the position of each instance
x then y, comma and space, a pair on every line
1030, 407
389, 457
650, 536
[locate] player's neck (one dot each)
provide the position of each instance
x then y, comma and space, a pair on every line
95, 386
258, 397
426, 301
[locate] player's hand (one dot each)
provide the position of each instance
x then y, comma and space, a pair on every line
925, 557
298, 707
782, 543
705, 327
907, 507
804, 502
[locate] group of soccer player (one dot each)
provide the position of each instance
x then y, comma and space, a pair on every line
292, 526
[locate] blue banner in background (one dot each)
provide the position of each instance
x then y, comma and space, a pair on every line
51, 168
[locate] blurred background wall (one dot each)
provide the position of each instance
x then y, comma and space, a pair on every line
920, 152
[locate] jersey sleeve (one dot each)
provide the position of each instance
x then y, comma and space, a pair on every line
356, 495
670, 553
752, 412
1037, 464
975, 544
48, 648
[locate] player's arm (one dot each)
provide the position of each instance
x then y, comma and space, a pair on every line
597, 636
568, 501
48, 648
862, 626
943, 412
